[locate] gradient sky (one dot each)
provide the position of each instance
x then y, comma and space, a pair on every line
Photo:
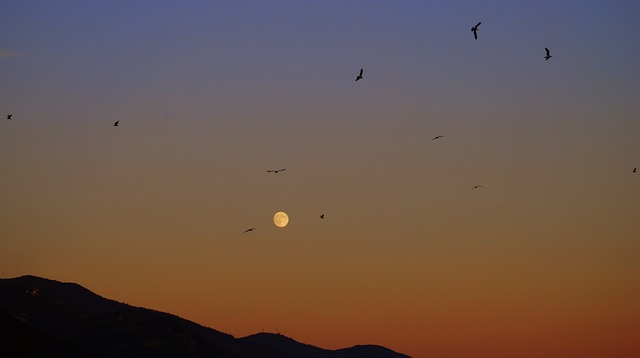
543, 261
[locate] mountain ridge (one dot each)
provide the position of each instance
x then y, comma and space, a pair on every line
67, 319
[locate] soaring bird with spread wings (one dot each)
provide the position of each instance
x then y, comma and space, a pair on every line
276, 171
360, 75
475, 30
548, 56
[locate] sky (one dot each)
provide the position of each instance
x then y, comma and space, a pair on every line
542, 260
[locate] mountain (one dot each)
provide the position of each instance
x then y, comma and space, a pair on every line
78, 320
278, 345
42, 317
18, 339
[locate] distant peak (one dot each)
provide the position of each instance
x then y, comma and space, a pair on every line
30, 278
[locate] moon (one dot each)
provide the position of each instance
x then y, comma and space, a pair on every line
281, 219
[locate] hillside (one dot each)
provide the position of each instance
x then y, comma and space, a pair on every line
45, 317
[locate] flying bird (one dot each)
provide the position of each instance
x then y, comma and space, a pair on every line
249, 230
116, 123
9, 116
635, 170
437, 137
360, 75
476, 187
321, 216
276, 171
548, 56
475, 30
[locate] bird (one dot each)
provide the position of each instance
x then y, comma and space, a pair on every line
360, 75
249, 230
548, 56
276, 171
321, 216
635, 170
437, 137
116, 123
475, 30
9, 116
476, 187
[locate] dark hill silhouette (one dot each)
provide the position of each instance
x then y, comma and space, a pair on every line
278, 345
18, 339
105, 328
367, 351
41, 317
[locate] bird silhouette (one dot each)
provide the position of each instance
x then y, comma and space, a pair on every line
276, 171
437, 137
116, 123
476, 187
475, 30
635, 170
321, 216
9, 116
548, 56
360, 75
249, 230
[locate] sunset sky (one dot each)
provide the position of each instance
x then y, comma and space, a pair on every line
542, 261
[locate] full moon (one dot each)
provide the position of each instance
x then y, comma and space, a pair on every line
281, 219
